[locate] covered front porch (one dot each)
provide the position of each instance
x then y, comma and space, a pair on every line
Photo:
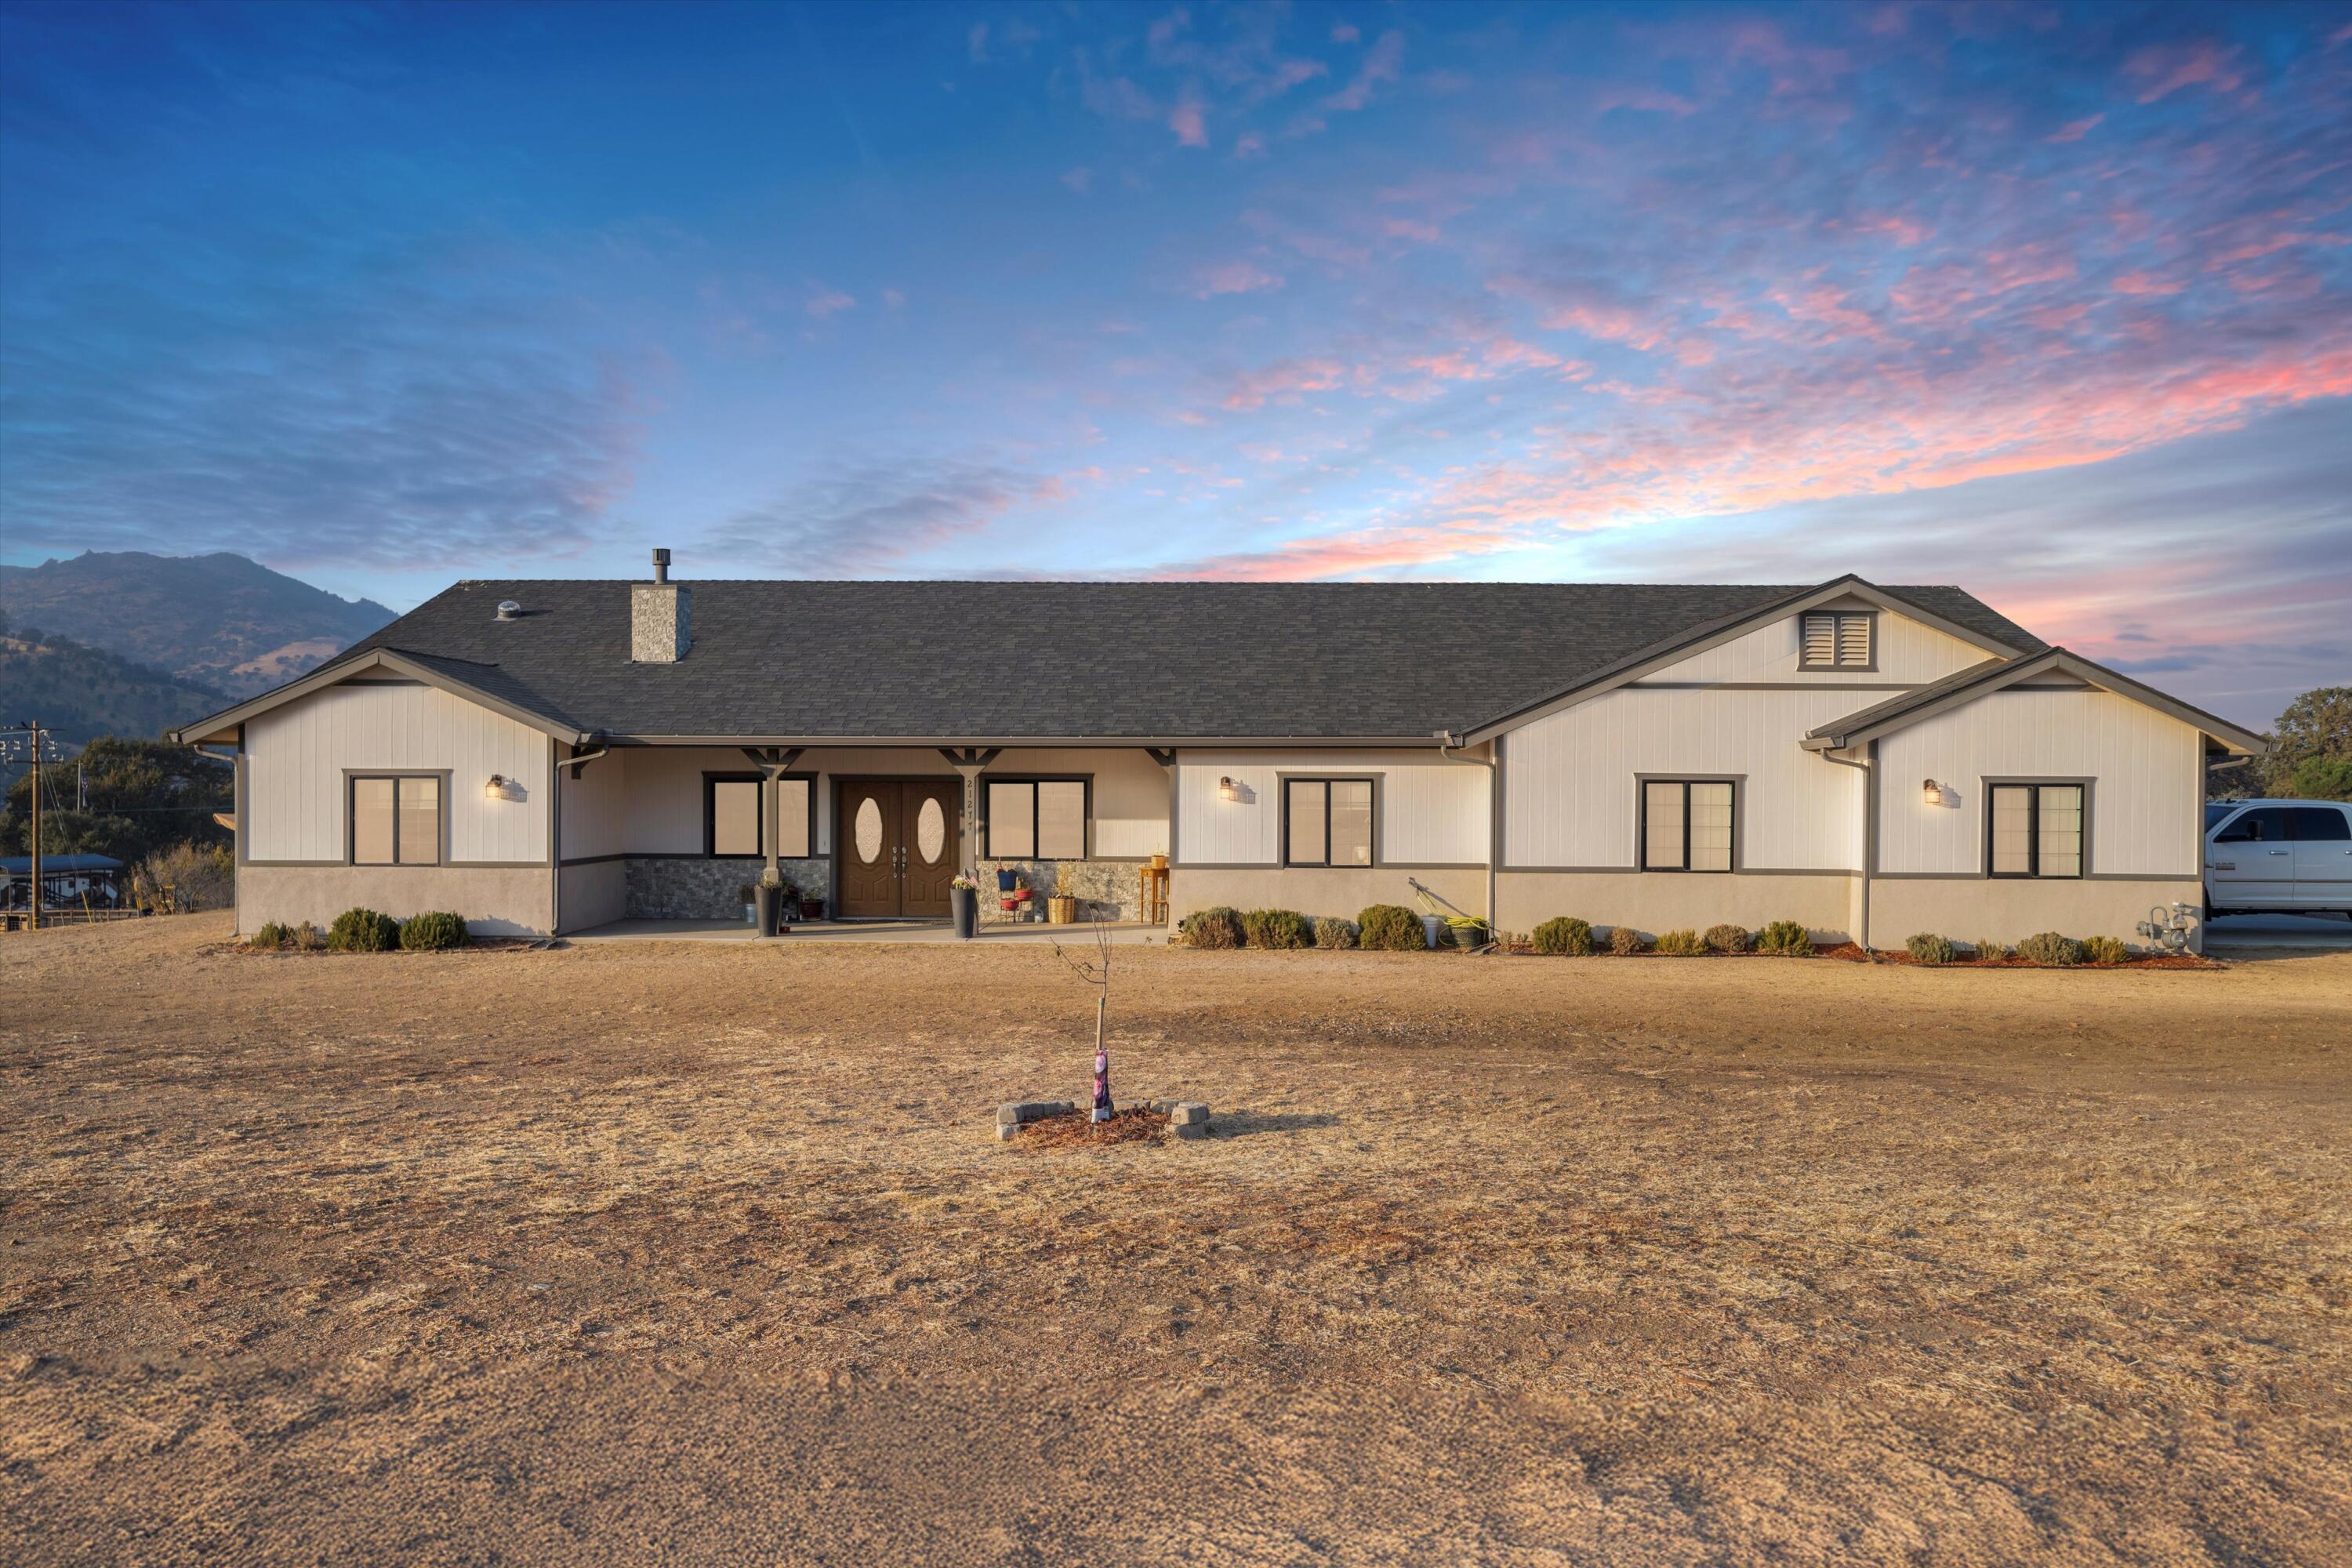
671, 839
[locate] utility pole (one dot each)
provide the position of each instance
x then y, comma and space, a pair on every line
34, 737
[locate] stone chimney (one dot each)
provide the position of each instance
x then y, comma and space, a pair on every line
660, 623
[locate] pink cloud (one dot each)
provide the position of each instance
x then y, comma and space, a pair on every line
2166, 68
2145, 283
1232, 277
1382, 65
827, 302
1186, 120
1407, 228
1285, 381
2075, 130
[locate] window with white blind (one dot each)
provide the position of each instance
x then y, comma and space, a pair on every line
1840, 639
396, 821
1687, 825
2036, 829
1035, 819
1326, 822
732, 816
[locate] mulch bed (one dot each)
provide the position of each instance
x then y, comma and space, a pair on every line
1852, 953
1073, 1130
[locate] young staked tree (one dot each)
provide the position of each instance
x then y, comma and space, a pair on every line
1095, 969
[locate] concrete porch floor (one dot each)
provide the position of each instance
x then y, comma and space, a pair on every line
862, 931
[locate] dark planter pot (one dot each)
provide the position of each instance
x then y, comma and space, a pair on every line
964, 903
1469, 938
771, 905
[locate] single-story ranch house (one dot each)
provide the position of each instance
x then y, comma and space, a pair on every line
553, 756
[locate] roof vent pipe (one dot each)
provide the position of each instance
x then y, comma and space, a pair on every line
661, 565
509, 609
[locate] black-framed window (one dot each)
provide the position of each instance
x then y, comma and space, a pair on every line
396, 820
735, 826
1036, 819
2036, 829
1840, 639
1326, 822
1688, 825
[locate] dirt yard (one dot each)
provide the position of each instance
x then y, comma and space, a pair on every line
705, 1254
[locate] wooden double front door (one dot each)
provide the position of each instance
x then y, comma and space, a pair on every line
896, 839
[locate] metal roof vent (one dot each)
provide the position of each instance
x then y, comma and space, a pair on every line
509, 609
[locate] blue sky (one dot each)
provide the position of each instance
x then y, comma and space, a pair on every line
2052, 302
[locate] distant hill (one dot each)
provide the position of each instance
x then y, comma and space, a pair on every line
218, 621
85, 692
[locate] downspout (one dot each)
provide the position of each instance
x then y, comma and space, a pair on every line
1869, 767
1444, 739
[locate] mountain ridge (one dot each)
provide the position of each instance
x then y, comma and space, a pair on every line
220, 621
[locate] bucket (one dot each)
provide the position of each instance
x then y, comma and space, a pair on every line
1062, 910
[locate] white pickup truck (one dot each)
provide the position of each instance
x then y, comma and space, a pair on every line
2279, 856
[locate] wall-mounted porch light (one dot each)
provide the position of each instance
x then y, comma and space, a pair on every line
1228, 790
501, 788
1931, 793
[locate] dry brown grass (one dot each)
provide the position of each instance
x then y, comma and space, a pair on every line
708, 1255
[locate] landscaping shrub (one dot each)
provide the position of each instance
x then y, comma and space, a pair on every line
1990, 951
1565, 933
1728, 938
1390, 928
271, 937
1927, 947
1330, 931
2050, 948
1789, 939
1624, 941
1276, 929
433, 931
308, 938
1682, 944
363, 930
2105, 950
1219, 927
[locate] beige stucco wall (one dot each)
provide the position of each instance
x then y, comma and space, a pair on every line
595, 895
1320, 891
495, 900
1966, 909
1657, 901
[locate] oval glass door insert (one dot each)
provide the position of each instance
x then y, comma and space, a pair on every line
870, 830
931, 830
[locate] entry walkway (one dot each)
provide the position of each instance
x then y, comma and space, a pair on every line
861, 931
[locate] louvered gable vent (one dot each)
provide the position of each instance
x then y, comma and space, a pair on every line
1837, 640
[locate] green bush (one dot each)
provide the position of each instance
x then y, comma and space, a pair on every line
1927, 947
1682, 944
271, 937
1276, 929
2050, 948
1330, 931
1990, 951
1390, 928
1726, 939
1789, 939
2323, 778
433, 931
1624, 941
1565, 933
363, 930
1220, 927
2105, 950
309, 938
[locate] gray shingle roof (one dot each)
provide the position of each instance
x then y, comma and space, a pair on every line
1130, 660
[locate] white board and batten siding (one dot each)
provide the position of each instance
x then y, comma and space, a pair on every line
1570, 800
1430, 811
297, 757
2147, 772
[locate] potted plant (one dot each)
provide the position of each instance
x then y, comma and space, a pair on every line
750, 909
963, 900
1469, 932
769, 902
